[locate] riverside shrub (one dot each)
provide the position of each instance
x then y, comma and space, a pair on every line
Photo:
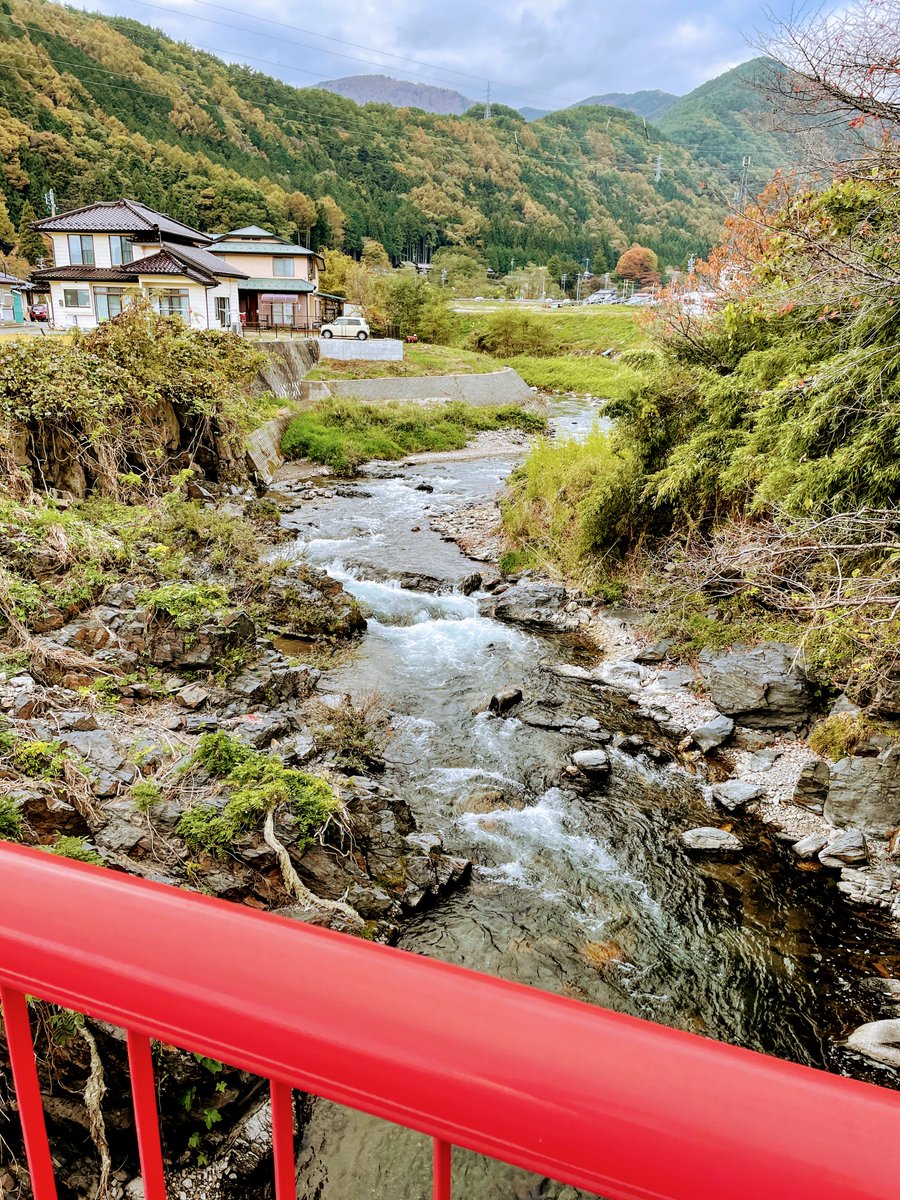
116, 404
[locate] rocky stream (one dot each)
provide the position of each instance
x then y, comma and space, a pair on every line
556, 803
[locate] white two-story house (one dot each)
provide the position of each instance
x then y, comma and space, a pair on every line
114, 250
282, 283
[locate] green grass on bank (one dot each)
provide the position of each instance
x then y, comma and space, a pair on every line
343, 433
419, 358
577, 341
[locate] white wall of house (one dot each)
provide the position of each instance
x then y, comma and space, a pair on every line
201, 310
102, 249
262, 266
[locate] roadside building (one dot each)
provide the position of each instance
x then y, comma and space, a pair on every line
280, 288
110, 252
14, 299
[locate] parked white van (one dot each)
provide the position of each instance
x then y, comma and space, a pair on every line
352, 327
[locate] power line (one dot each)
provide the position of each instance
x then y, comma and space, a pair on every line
320, 120
302, 45
371, 49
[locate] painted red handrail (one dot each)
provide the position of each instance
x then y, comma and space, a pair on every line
618, 1106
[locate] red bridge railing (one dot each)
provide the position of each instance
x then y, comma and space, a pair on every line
617, 1106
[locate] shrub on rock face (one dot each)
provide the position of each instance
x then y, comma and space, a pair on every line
107, 410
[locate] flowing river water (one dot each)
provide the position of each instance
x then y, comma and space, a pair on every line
583, 892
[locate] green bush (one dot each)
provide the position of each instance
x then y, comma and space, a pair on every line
258, 783
109, 391
75, 848
11, 828
187, 605
509, 332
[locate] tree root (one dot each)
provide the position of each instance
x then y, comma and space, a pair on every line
47, 660
94, 1091
295, 885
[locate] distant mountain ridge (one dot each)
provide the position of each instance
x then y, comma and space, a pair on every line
401, 93
649, 104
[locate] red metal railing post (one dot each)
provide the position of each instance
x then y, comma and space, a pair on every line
28, 1093
283, 1141
146, 1115
442, 1156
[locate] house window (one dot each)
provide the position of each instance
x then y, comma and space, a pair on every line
223, 311
109, 302
282, 314
172, 302
76, 298
121, 250
81, 249
282, 266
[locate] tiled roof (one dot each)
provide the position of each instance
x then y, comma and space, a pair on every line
196, 264
205, 260
161, 263
12, 281
235, 247
84, 274
274, 285
251, 231
119, 216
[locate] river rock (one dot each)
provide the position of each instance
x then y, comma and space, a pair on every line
844, 848
735, 793
878, 1040
501, 702
707, 839
539, 606
762, 686
654, 652
192, 695
865, 792
809, 846
592, 763
811, 788
713, 733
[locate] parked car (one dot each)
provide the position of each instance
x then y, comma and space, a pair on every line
352, 327
39, 312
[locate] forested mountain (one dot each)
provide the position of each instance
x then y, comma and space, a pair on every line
96, 108
732, 116
650, 104
402, 93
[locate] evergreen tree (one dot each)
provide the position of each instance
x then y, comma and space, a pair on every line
7, 229
30, 244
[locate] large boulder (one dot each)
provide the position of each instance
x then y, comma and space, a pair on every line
538, 605
865, 792
761, 686
735, 793
811, 789
713, 733
709, 840
845, 848
878, 1040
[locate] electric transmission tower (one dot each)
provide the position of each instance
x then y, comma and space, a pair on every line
487, 104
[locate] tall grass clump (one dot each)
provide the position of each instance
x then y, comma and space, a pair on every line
343, 433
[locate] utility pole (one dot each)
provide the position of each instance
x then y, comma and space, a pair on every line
487, 106
742, 186
564, 281
50, 201
659, 166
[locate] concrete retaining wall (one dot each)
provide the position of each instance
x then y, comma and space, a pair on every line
264, 455
371, 350
493, 387
288, 363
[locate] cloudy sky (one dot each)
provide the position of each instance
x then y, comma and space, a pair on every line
544, 53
